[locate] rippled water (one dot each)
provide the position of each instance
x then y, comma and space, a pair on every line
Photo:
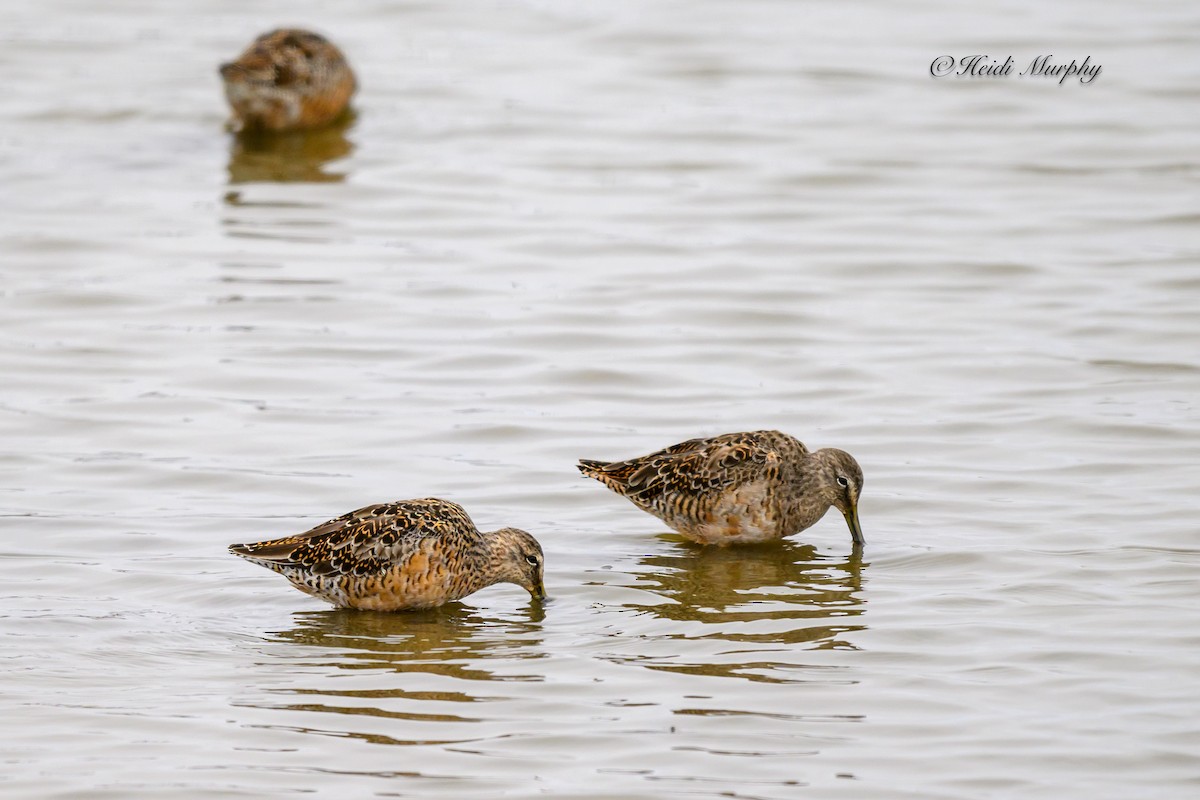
558, 230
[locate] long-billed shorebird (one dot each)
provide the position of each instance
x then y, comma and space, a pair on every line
738, 487
397, 556
287, 80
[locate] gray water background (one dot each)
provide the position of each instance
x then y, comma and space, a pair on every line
572, 229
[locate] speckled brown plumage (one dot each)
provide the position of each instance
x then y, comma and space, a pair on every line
404, 555
738, 487
287, 80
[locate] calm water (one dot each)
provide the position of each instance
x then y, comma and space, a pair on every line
575, 229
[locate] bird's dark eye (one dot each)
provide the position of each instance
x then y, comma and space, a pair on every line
842, 481
533, 560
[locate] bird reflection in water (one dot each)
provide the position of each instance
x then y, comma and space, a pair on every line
299, 157
454, 640
437, 649
771, 602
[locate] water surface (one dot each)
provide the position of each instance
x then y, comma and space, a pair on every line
566, 230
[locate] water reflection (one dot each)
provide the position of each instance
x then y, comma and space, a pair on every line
300, 157
727, 584
436, 649
452, 640
775, 601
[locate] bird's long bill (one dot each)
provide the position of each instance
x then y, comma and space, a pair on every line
539, 590
855, 528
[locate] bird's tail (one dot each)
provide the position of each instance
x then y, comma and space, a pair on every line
591, 467
273, 554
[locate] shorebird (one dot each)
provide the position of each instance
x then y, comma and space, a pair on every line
404, 555
738, 487
287, 80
